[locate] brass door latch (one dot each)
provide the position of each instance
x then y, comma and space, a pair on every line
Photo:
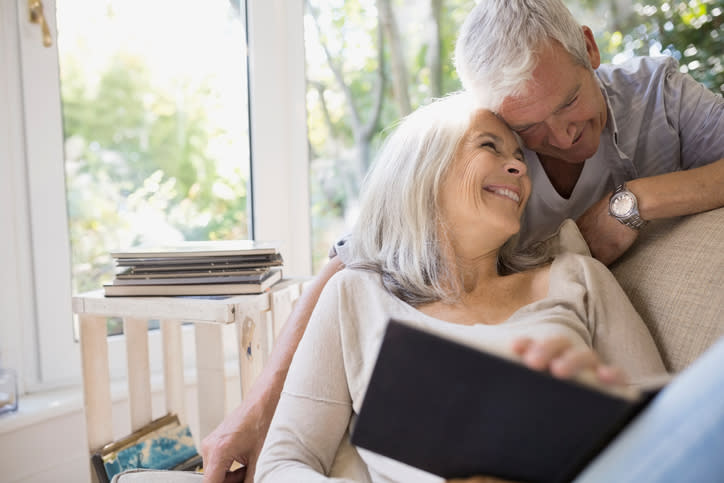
35, 9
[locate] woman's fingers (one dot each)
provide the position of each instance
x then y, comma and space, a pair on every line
573, 361
521, 345
540, 354
611, 375
564, 360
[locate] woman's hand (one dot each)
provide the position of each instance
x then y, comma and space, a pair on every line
564, 360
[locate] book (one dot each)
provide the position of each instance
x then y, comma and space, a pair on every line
200, 261
173, 289
163, 444
456, 411
206, 276
139, 265
200, 249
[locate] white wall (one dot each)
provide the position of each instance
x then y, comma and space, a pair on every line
53, 448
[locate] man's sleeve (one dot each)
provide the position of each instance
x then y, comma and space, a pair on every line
699, 115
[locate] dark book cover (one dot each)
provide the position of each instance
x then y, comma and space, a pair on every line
455, 411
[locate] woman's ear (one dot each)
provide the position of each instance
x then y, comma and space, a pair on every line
591, 47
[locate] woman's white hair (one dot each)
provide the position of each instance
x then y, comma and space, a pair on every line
398, 232
499, 43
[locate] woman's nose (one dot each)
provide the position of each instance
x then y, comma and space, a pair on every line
516, 167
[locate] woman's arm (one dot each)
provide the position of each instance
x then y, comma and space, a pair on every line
241, 435
315, 407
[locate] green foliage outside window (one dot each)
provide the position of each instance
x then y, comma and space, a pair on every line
139, 168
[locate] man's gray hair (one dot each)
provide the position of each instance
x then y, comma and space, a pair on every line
399, 231
499, 43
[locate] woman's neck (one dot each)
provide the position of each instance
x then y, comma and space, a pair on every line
485, 296
476, 273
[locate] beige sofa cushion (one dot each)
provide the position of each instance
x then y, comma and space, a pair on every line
674, 276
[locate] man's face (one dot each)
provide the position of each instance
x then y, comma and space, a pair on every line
562, 112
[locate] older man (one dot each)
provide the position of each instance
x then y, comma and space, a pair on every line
612, 146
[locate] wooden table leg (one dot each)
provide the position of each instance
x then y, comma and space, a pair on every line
139, 371
96, 383
173, 368
210, 374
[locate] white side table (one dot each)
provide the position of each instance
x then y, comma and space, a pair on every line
258, 319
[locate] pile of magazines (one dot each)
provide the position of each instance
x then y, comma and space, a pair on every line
225, 267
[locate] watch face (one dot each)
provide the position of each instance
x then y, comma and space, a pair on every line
622, 204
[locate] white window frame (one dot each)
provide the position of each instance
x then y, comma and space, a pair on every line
36, 331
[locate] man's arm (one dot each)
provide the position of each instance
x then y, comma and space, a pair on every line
241, 435
663, 196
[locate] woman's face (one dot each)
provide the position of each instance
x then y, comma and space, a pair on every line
485, 191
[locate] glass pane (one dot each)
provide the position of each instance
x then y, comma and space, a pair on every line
343, 71
155, 114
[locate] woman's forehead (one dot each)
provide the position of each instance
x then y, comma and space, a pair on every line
484, 120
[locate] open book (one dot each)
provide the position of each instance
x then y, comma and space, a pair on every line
455, 411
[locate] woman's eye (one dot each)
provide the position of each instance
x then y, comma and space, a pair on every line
490, 145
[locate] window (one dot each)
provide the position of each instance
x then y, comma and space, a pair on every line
369, 63
38, 336
155, 130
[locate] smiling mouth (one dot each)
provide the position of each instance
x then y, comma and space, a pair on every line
504, 192
578, 138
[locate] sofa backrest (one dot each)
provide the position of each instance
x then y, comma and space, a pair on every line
674, 276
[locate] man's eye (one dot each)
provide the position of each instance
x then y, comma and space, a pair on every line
572, 101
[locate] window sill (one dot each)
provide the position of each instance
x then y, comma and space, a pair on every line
41, 406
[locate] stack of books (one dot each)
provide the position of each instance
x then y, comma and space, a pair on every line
196, 268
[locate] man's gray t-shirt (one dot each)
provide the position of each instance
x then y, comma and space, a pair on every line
659, 121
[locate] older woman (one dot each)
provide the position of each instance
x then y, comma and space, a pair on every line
434, 245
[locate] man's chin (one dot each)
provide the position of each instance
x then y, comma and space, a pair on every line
579, 156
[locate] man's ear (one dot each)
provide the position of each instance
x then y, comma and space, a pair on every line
591, 47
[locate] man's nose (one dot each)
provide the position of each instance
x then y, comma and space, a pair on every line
561, 133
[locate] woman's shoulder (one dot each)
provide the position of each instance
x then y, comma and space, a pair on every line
355, 281
568, 239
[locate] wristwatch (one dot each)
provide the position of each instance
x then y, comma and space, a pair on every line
623, 206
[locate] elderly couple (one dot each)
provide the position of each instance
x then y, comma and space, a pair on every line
450, 239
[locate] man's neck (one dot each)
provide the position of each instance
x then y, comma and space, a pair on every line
562, 175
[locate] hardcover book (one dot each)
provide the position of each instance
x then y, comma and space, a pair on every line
163, 444
258, 285
455, 411
200, 276
200, 249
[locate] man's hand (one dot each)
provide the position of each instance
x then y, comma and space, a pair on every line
235, 439
607, 238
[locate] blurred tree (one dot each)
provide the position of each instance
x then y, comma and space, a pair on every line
690, 31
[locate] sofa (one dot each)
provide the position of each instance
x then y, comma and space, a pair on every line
674, 276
